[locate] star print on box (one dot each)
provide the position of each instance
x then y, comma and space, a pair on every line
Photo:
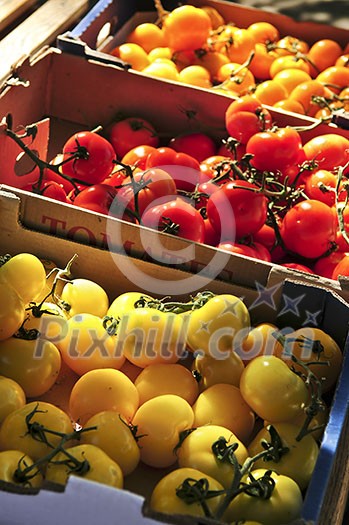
291, 305
265, 295
312, 318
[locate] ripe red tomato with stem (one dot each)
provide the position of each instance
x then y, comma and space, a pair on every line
309, 228
49, 188
177, 217
183, 168
146, 187
274, 150
237, 209
245, 116
88, 157
131, 132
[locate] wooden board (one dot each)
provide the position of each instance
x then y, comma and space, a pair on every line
38, 29
11, 10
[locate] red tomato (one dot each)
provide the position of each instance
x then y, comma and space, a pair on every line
242, 249
150, 185
321, 185
245, 116
297, 266
183, 168
329, 151
130, 132
49, 188
263, 252
198, 145
177, 217
211, 236
92, 157
274, 150
342, 268
237, 209
325, 265
266, 236
309, 228
137, 156
98, 198
116, 179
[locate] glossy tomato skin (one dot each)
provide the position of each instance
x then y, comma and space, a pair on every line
131, 132
298, 463
101, 468
329, 151
178, 211
150, 185
160, 421
12, 461
34, 364
341, 268
50, 189
25, 273
245, 117
274, 150
242, 249
14, 429
237, 209
271, 389
12, 396
98, 198
164, 496
198, 145
96, 161
196, 452
309, 228
183, 168
284, 505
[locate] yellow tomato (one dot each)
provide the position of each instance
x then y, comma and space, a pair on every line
86, 345
272, 390
87, 461
115, 392
283, 506
168, 495
27, 427
84, 296
212, 371
195, 451
113, 435
298, 462
159, 421
33, 364
15, 468
223, 405
12, 396
158, 379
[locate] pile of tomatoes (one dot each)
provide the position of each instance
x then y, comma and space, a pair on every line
196, 46
192, 390
263, 191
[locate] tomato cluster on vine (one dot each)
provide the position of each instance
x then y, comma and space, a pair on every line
262, 191
191, 389
282, 71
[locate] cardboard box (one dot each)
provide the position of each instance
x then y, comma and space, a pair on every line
107, 23
57, 99
91, 502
